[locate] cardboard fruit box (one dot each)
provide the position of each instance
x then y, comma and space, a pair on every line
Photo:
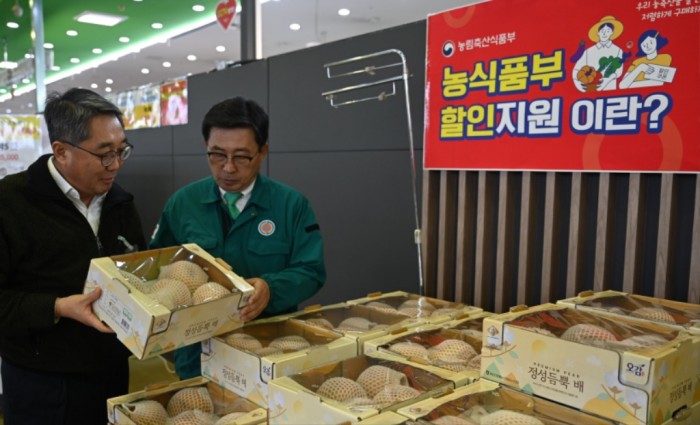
455, 348
429, 310
157, 403
354, 321
155, 323
351, 390
673, 313
628, 371
246, 360
487, 402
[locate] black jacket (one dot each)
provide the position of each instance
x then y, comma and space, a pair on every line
45, 249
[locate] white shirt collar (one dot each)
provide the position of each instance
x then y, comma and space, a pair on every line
92, 212
604, 45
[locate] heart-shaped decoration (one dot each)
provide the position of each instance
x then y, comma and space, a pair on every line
225, 11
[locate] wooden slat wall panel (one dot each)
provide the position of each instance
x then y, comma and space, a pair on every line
466, 233
661, 289
694, 284
602, 234
505, 241
549, 235
526, 247
447, 235
629, 279
572, 265
429, 230
472, 225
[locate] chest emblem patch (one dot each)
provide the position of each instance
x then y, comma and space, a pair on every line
266, 227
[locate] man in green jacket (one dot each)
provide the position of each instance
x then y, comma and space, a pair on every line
267, 232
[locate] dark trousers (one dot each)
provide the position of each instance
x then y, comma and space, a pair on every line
33, 397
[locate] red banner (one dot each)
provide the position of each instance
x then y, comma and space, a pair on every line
564, 85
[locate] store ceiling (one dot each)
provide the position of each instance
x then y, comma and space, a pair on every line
184, 32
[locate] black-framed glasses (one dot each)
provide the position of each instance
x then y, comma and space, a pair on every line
220, 158
109, 157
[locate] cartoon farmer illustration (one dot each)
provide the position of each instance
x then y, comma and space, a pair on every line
599, 66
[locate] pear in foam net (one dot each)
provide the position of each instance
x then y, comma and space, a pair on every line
187, 272
395, 393
509, 417
588, 334
375, 378
356, 324
320, 322
171, 293
341, 389
452, 354
409, 349
290, 343
190, 399
653, 313
193, 417
210, 291
378, 305
147, 412
243, 341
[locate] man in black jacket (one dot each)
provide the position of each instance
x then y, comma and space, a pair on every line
59, 361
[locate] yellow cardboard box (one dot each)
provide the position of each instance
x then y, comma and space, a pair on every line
148, 328
592, 363
430, 337
334, 316
120, 409
429, 310
294, 399
248, 374
484, 397
673, 313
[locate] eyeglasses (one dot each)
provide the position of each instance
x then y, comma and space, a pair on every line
220, 158
108, 158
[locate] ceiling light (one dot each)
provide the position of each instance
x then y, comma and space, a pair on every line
99, 18
123, 39
198, 8
48, 45
17, 9
97, 50
312, 43
156, 25
108, 89
191, 58
220, 49
167, 64
343, 12
74, 60
294, 27
12, 25
145, 70
109, 81
71, 33
25, 80
93, 85
28, 55
55, 68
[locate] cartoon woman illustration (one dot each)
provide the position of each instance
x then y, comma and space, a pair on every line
649, 44
600, 65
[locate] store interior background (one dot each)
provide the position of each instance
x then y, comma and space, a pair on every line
489, 238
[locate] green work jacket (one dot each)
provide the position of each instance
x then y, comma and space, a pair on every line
276, 237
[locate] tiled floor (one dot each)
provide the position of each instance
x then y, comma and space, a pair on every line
143, 373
